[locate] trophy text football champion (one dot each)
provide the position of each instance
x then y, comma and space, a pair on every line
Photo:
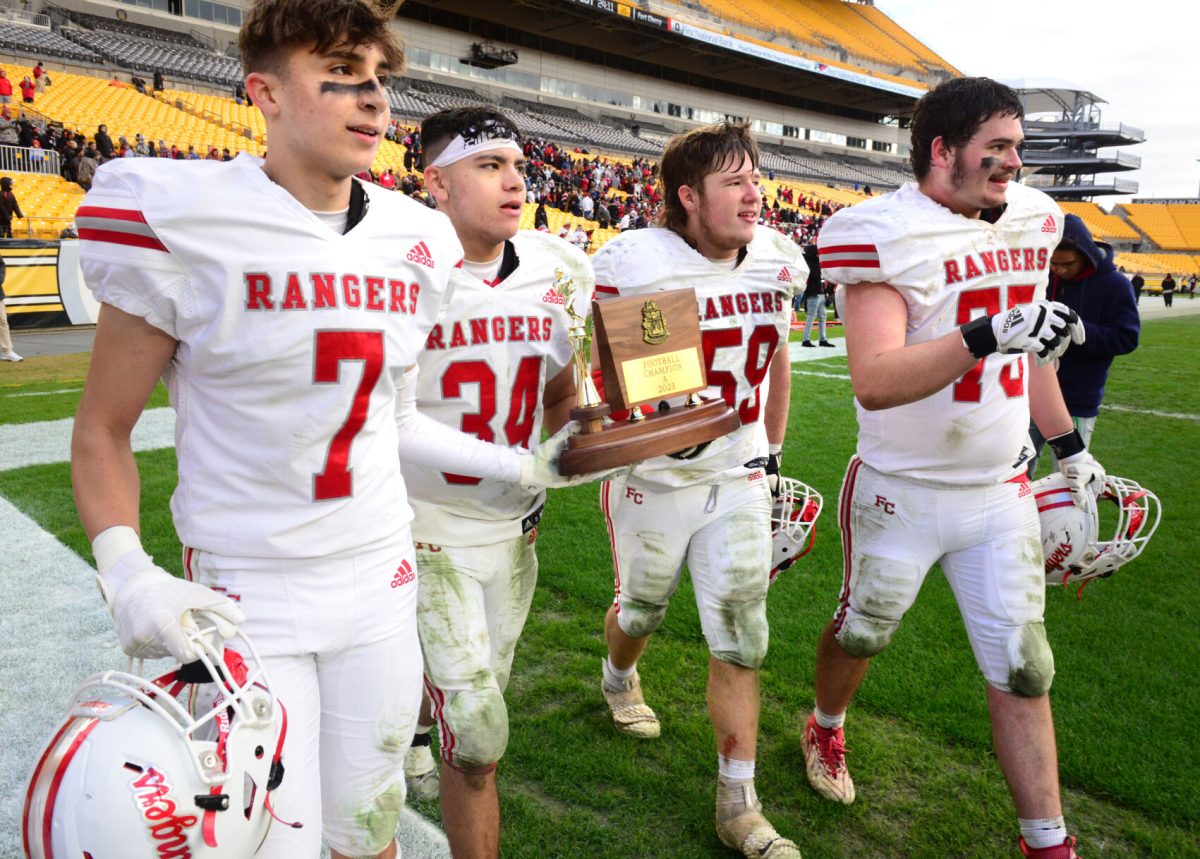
648, 348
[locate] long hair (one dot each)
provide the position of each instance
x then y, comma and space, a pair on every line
691, 156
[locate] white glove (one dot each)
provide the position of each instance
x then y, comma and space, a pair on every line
1085, 477
1042, 328
539, 467
774, 462
152, 610
1084, 474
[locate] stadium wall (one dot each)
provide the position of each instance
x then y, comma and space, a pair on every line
44, 285
420, 37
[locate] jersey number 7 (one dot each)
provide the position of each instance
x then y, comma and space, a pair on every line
336, 480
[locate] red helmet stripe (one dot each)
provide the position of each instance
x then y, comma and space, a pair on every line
37, 773
59, 773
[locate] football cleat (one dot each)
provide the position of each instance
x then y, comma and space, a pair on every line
793, 523
421, 773
742, 827
629, 711
1071, 544
1066, 850
825, 758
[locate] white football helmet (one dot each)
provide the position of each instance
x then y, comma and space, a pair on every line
793, 523
1070, 534
176, 766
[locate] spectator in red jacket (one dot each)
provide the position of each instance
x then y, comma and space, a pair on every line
27, 90
5, 88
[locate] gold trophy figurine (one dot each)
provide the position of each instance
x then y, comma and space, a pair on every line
590, 410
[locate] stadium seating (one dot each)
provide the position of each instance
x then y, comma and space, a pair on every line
48, 202
1158, 223
862, 31
1152, 264
83, 103
1187, 219
129, 28
224, 111
174, 60
39, 40
1103, 225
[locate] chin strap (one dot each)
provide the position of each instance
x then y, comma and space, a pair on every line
277, 772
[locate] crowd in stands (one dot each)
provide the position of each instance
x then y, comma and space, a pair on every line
596, 191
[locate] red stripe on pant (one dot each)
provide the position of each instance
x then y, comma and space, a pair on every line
437, 699
844, 505
606, 508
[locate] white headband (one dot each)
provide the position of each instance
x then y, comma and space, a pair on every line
460, 148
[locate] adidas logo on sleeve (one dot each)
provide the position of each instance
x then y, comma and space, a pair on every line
420, 254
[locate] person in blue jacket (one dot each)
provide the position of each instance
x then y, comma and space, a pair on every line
1083, 277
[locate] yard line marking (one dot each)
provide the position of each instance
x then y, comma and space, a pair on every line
1153, 412
52, 608
845, 376
41, 393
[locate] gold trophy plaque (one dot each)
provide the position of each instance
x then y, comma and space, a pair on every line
648, 347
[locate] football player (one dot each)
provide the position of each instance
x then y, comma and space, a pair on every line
951, 345
282, 302
708, 508
498, 364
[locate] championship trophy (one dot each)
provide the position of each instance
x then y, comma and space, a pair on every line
649, 351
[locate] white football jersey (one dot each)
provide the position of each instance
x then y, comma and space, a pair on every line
949, 269
483, 371
291, 341
745, 315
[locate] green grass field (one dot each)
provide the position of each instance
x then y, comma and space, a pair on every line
1125, 697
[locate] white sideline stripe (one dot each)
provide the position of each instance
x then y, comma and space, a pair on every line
56, 631
845, 376
42, 393
1153, 412
44, 442
798, 353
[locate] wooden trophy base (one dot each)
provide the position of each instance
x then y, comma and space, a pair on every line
624, 443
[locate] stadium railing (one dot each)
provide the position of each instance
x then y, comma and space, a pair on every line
29, 159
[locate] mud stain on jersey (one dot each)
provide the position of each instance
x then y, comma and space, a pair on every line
957, 434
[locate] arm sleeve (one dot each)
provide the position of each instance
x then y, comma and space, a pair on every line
430, 443
847, 251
